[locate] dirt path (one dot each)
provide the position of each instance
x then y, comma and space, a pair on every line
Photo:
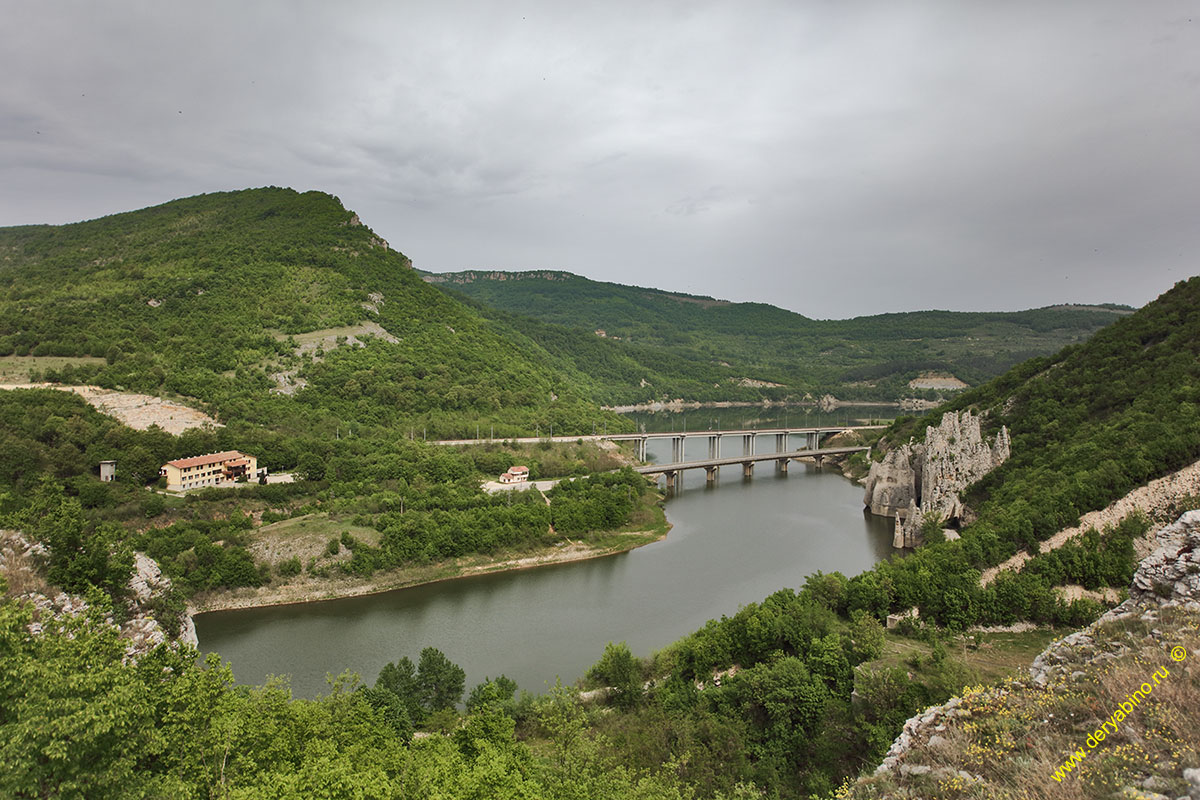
1155, 498
138, 411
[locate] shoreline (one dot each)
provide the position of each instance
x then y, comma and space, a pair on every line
404, 578
322, 590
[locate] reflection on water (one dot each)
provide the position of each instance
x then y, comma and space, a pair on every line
731, 544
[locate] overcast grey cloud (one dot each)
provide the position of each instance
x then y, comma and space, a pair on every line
835, 158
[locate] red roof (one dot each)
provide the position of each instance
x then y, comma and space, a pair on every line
211, 458
518, 470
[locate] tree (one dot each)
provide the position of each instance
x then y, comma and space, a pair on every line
80, 556
311, 467
618, 669
495, 693
400, 680
440, 682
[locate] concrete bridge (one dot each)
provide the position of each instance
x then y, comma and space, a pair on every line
748, 460
748, 439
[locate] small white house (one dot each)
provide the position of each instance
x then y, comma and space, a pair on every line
515, 475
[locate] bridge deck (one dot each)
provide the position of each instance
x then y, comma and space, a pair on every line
744, 432
678, 466
624, 437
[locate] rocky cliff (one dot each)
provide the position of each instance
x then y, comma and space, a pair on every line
1012, 740
917, 480
22, 565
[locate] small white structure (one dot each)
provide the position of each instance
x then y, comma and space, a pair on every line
894, 620
108, 471
515, 475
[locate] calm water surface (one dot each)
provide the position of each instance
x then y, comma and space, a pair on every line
730, 545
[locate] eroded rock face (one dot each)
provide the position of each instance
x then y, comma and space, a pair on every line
895, 482
21, 561
916, 480
1167, 578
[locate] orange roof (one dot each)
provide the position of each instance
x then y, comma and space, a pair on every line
211, 458
518, 470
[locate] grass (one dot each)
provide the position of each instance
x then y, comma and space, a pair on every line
988, 657
1012, 740
305, 537
16, 369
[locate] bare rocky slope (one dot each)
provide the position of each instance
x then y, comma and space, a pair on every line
22, 567
1109, 711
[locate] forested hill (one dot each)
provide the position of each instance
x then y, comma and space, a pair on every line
226, 297
1088, 424
866, 357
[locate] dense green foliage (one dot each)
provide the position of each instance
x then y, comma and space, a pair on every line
701, 348
76, 722
766, 697
1087, 425
424, 500
203, 297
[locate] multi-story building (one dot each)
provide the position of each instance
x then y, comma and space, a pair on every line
209, 470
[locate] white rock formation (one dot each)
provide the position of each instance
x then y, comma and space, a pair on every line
918, 479
895, 482
22, 563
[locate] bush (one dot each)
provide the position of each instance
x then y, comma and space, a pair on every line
289, 568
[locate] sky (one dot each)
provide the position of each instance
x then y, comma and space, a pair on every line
836, 158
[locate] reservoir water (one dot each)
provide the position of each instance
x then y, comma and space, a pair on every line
731, 544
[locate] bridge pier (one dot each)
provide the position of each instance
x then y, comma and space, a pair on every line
670, 480
780, 442
710, 475
782, 465
747, 444
677, 449
714, 446
747, 469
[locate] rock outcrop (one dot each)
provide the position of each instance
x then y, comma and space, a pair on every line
22, 563
920, 479
1165, 592
894, 483
1168, 577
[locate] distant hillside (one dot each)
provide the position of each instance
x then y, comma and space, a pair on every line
269, 304
747, 345
1088, 424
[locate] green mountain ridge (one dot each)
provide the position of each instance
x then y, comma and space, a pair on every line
199, 297
808, 691
711, 341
